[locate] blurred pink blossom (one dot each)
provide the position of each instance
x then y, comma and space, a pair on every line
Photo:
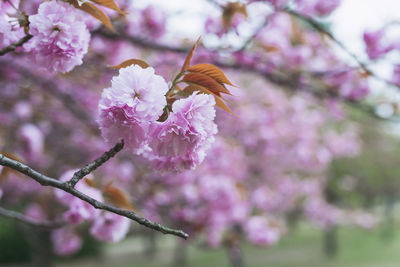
110, 227
60, 37
65, 241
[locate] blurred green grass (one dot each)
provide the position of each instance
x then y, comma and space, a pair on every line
302, 248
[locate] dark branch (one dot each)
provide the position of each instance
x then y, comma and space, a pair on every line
320, 28
13, 46
287, 80
95, 164
30, 221
48, 181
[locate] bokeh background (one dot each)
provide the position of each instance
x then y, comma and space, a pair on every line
306, 173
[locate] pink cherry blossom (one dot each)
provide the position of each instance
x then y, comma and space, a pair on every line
133, 102
260, 232
182, 140
110, 227
65, 241
60, 37
375, 44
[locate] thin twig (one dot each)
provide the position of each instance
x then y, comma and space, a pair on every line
30, 221
286, 80
320, 28
13, 46
95, 164
48, 181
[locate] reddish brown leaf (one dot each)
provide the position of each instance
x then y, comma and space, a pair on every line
270, 48
242, 190
89, 182
110, 4
364, 74
192, 88
211, 71
206, 81
118, 197
188, 90
95, 12
219, 103
229, 12
189, 56
129, 62
297, 37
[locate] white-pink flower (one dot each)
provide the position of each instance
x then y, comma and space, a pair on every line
182, 140
135, 99
79, 210
110, 227
60, 37
260, 232
65, 241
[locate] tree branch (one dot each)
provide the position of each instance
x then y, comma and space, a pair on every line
281, 80
13, 46
320, 28
95, 164
30, 221
48, 181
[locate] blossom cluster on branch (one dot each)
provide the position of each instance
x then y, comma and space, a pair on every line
197, 156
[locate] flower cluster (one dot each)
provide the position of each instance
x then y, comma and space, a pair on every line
257, 173
131, 108
133, 102
182, 140
60, 37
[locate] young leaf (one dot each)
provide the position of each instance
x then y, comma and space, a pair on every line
206, 81
189, 56
118, 197
229, 12
211, 71
96, 13
188, 90
110, 4
89, 182
219, 103
129, 62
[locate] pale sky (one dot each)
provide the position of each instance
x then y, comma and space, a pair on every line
350, 21
354, 16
